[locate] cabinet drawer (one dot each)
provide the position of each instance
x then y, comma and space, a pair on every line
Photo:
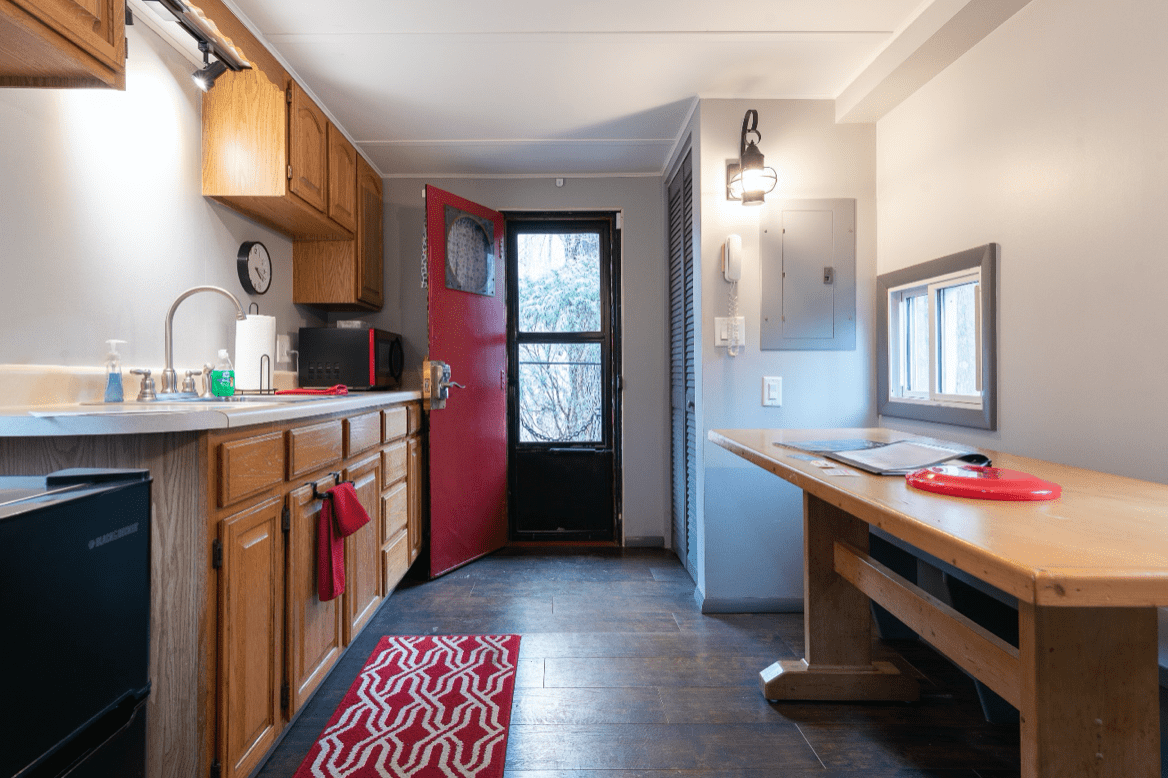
362, 433
314, 447
395, 561
395, 423
393, 463
414, 416
249, 466
395, 511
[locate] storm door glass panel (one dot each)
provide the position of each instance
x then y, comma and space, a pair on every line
560, 393
559, 282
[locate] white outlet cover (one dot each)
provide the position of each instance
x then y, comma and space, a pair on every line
722, 330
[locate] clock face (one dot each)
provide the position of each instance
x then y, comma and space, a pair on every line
254, 265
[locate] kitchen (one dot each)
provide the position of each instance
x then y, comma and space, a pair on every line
1046, 137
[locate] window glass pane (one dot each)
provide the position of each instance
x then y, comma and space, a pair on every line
559, 392
559, 282
956, 322
917, 344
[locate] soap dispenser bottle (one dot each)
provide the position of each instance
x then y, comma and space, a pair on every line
223, 376
113, 373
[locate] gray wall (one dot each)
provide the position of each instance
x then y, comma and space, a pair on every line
752, 521
643, 288
102, 223
1051, 138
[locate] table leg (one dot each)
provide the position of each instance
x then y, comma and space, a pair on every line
1090, 692
837, 664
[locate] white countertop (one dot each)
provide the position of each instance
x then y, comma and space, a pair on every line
141, 418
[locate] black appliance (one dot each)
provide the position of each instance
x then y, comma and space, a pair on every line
364, 358
75, 580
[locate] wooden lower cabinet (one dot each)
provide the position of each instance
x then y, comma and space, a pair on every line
315, 629
276, 641
251, 618
363, 585
414, 471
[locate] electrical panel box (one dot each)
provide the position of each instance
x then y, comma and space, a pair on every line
807, 260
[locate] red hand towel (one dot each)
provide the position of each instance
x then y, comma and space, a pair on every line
341, 515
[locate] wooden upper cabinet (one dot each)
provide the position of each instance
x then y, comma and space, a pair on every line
342, 179
370, 246
63, 43
308, 150
345, 274
265, 154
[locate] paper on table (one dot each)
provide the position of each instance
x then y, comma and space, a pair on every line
897, 458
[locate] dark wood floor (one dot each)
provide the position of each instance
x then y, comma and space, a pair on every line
622, 677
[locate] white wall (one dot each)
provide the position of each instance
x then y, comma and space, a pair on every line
752, 521
644, 278
102, 224
1051, 139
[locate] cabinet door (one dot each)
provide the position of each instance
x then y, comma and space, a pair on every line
251, 618
342, 179
308, 150
369, 234
96, 26
363, 548
414, 487
315, 628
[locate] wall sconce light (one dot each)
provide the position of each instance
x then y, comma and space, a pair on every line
749, 180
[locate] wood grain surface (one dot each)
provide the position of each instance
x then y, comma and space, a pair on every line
1102, 543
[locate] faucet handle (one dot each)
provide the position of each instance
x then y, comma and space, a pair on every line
188, 386
206, 379
146, 392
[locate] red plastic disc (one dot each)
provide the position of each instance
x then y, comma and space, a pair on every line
983, 483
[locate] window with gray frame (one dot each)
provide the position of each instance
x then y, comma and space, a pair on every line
937, 345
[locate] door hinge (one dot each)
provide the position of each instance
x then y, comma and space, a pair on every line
289, 172
285, 696
216, 769
216, 554
288, 94
286, 519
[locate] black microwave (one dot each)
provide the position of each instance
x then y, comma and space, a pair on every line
363, 358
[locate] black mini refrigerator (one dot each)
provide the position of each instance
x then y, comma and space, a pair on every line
75, 587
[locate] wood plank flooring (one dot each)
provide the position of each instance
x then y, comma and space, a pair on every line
622, 677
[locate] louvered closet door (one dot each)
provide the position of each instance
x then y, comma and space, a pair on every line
683, 447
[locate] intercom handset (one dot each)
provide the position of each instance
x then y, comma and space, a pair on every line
732, 258
732, 271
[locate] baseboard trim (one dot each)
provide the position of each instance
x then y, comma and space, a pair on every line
646, 541
751, 604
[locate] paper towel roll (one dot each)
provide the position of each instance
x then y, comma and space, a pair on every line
255, 338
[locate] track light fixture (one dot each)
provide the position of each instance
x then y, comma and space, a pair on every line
204, 78
749, 180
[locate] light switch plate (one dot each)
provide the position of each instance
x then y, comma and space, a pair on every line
772, 390
722, 330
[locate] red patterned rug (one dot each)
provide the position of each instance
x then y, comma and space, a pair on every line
423, 707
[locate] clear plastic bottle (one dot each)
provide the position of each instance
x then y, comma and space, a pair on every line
113, 373
223, 376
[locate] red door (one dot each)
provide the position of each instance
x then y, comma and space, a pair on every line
468, 331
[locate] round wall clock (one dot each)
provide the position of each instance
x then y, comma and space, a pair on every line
255, 267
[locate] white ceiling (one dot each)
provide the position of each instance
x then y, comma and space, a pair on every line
560, 87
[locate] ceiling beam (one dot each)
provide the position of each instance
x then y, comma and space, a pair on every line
931, 42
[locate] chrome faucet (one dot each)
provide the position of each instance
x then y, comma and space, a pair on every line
169, 377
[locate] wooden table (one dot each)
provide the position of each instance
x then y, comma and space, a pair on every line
1088, 569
